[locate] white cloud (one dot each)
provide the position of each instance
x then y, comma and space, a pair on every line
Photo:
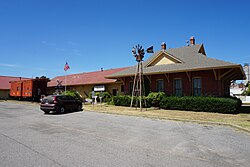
60, 49
9, 65
42, 69
71, 43
48, 43
76, 52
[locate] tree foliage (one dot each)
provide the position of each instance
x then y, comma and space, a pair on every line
247, 91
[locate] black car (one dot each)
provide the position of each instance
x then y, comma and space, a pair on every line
60, 104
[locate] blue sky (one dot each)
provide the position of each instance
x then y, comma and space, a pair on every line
37, 37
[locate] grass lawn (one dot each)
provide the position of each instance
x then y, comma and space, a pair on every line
238, 120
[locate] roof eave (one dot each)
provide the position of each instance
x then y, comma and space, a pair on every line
96, 83
242, 71
184, 70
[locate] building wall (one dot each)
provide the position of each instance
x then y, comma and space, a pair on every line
127, 80
116, 86
4, 94
84, 90
210, 86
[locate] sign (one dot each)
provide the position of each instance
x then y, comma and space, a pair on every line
59, 85
99, 88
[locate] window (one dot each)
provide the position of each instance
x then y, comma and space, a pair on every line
197, 86
66, 98
122, 88
178, 87
160, 85
114, 92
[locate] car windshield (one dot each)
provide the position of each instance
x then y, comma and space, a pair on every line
48, 99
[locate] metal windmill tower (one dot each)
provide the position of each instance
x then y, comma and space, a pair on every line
138, 84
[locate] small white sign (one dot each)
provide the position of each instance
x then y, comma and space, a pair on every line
99, 88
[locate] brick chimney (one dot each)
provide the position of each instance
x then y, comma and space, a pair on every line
163, 46
192, 40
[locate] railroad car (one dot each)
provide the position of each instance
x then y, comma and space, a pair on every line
31, 89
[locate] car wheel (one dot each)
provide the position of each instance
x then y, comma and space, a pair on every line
79, 107
46, 112
62, 109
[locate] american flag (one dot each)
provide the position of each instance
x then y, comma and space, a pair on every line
66, 67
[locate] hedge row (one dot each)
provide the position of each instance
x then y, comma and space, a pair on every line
205, 104
125, 100
189, 103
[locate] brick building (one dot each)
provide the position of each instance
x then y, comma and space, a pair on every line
84, 83
183, 71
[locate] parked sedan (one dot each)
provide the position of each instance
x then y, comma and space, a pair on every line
60, 104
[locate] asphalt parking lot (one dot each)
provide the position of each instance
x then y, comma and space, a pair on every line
30, 138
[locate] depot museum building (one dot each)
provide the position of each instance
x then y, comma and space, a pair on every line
184, 71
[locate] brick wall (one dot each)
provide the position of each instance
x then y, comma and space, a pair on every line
210, 86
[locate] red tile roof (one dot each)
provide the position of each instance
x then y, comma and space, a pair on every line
97, 77
5, 81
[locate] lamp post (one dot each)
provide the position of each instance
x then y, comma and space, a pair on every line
138, 84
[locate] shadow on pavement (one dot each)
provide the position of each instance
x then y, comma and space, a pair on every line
245, 109
66, 112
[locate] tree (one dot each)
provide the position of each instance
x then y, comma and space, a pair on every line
247, 91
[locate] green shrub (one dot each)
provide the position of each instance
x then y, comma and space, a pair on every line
122, 100
205, 104
106, 97
90, 95
74, 94
247, 91
125, 100
154, 98
188, 103
239, 102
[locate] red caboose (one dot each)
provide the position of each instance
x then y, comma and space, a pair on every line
31, 89
16, 88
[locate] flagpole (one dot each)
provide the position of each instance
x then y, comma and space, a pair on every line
65, 81
66, 67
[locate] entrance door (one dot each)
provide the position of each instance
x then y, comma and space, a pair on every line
114, 92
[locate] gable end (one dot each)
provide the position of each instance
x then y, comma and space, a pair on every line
163, 58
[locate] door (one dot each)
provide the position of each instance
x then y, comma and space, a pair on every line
114, 92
